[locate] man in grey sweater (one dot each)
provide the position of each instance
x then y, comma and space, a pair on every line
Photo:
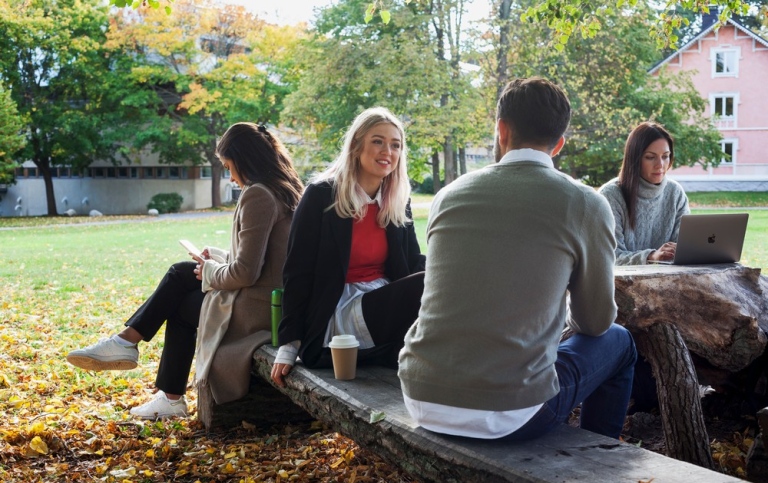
506, 245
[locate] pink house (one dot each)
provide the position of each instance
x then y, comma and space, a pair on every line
730, 67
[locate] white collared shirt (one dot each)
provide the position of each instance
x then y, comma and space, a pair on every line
527, 154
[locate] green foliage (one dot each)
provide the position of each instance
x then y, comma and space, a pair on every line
166, 202
65, 85
587, 17
350, 65
606, 79
11, 139
565, 17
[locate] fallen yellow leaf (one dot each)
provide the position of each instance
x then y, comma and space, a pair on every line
38, 445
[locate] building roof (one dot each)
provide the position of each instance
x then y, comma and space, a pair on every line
709, 23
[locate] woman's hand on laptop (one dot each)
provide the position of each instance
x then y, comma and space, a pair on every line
665, 252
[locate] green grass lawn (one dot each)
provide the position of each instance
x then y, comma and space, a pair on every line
755, 252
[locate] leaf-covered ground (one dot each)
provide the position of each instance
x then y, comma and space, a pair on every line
65, 288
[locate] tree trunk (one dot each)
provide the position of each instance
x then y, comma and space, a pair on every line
462, 160
436, 184
450, 160
216, 171
679, 397
217, 168
50, 197
717, 312
502, 74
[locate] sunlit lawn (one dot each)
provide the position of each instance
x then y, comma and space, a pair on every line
755, 252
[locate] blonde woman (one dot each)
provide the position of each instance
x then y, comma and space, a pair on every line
354, 264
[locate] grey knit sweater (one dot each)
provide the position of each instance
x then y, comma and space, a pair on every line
658, 212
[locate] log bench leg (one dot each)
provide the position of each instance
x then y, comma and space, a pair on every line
263, 406
678, 389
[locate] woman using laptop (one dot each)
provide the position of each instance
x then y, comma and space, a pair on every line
226, 291
647, 206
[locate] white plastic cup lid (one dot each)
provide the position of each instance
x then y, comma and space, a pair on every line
343, 342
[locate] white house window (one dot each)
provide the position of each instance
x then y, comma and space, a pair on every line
724, 108
205, 172
729, 148
725, 62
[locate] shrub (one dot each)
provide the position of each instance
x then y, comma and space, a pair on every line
166, 202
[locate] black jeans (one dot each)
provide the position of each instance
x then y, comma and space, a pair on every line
177, 300
389, 312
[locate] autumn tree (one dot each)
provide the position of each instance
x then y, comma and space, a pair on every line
207, 67
350, 65
606, 78
63, 83
564, 17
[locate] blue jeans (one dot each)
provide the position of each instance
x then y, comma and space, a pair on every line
596, 372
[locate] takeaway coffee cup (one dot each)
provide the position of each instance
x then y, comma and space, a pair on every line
344, 355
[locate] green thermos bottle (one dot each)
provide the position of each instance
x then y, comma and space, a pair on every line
277, 313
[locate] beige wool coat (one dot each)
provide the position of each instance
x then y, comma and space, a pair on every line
235, 317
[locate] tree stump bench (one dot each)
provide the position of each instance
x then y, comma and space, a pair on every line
370, 410
718, 312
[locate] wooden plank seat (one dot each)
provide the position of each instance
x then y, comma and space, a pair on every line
370, 410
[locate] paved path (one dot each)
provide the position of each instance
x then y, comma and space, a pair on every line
96, 221
205, 214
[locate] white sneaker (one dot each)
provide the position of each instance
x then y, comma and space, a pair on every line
161, 407
105, 355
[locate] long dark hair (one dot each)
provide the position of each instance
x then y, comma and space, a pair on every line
629, 176
260, 157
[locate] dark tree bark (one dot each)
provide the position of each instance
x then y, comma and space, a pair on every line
717, 312
436, 184
678, 390
50, 198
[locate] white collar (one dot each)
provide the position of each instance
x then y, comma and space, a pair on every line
527, 154
376, 199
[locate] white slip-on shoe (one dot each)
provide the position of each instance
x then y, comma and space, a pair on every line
105, 355
161, 407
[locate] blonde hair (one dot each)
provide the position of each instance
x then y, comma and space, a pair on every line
350, 201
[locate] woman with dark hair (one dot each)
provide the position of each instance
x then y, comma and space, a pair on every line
354, 266
226, 293
647, 206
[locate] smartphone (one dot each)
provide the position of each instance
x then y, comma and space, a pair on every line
192, 249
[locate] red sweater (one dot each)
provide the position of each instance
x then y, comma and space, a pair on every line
369, 248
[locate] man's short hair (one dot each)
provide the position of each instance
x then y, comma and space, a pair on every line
536, 110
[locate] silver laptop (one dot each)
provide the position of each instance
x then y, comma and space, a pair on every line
706, 239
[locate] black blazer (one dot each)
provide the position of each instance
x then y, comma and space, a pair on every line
315, 269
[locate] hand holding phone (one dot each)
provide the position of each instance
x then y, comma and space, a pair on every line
191, 248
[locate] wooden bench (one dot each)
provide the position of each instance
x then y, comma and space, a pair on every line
370, 410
